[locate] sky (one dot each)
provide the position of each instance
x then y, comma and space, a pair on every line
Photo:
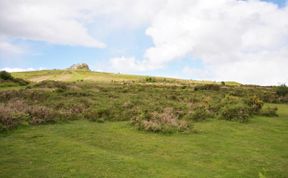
220, 40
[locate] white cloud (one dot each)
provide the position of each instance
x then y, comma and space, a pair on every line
233, 38
237, 40
67, 21
8, 69
7, 49
128, 64
43, 21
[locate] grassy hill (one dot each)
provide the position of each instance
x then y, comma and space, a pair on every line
77, 75
75, 123
73, 75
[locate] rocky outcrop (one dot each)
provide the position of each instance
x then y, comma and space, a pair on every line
82, 66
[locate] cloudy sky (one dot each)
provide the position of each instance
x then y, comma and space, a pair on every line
239, 40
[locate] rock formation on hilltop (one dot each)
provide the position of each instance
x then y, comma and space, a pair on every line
82, 66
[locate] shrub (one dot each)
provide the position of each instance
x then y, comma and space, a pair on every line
17, 112
269, 111
52, 84
11, 81
11, 118
150, 79
213, 87
198, 114
5, 75
282, 90
21, 81
237, 112
34, 95
164, 122
98, 115
12, 114
42, 115
7, 95
6, 84
255, 104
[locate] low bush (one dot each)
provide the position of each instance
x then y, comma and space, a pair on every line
20, 81
13, 114
198, 114
150, 79
255, 104
6, 84
98, 115
5, 75
165, 122
52, 84
42, 115
269, 112
235, 112
34, 95
213, 87
282, 90
17, 112
11, 118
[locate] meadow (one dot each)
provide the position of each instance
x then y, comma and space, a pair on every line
90, 124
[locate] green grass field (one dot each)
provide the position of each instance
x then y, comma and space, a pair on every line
115, 149
192, 128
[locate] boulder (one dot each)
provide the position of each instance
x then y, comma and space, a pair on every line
82, 66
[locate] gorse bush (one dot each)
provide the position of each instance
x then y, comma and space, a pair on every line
198, 114
269, 112
233, 108
235, 112
255, 104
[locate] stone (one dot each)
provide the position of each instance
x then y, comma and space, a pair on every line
81, 66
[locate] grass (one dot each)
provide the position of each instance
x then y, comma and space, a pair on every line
70, 75
76, 75
77, 147
115, 149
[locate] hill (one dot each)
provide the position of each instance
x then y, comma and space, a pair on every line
93, 124
73, 75
86, 75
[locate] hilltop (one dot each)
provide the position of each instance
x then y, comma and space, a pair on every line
81, 66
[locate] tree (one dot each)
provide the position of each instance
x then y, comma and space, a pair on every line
5, 75
282, 90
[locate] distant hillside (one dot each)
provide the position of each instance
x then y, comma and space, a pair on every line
73, 75
85, 75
